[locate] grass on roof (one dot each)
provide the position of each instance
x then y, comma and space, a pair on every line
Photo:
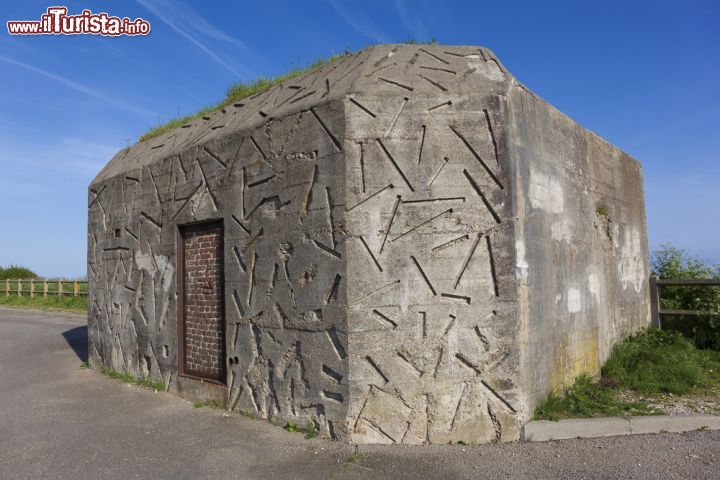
237, 92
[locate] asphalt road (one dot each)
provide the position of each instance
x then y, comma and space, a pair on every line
60, 421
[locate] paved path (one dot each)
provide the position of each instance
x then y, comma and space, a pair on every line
59, 421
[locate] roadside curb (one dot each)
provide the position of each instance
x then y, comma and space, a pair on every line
544, 430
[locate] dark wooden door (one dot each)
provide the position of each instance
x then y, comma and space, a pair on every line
202, 319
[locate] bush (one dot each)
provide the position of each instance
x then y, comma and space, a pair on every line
656, 361
649, 363
15, 272
673, 263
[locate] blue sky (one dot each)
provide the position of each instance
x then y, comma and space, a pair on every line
643, 75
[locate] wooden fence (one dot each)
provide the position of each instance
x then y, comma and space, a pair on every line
44, 288
656, 312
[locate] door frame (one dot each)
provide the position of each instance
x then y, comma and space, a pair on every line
180, 293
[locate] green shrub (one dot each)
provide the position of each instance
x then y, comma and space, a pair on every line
15, 272
292, 427
658, 361
673, 263
650, 363
311, 430
587, 398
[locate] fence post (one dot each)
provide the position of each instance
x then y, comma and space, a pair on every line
655, 303
60, 288
45, 287
19, 288
32, 288
76, 289
7, 287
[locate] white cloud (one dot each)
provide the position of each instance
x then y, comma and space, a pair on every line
190, 25
84, 158
357, 20
79, 87
411, 20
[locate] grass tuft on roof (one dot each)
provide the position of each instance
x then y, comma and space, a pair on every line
238, 92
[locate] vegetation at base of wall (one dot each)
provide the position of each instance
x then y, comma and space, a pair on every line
354, 458
587, 397
127, 377
15, 271
673, 263
66, 303
310, 430
292, 427
209, 404
651, 363
236, 93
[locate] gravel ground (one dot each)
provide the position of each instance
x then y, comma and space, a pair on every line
59, 421
669, 404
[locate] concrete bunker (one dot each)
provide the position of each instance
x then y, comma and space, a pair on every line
404, 246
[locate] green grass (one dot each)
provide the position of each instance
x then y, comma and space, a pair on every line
72, 304
650, 363
127, 377
657, 361
310, 429
602, 210
587, 398
292, 427
236, 93
209, 404
354, 458
412, 41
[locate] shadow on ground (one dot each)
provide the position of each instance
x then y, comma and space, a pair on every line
77, 338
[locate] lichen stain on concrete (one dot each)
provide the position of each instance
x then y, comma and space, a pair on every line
631, 266
575, 356
546, 193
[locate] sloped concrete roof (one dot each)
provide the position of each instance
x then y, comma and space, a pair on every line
392, 70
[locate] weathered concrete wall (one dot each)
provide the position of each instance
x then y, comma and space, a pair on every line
278, 190
412, 248
580, 236
432, 305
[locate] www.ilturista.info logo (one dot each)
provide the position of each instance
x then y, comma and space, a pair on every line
56, 21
